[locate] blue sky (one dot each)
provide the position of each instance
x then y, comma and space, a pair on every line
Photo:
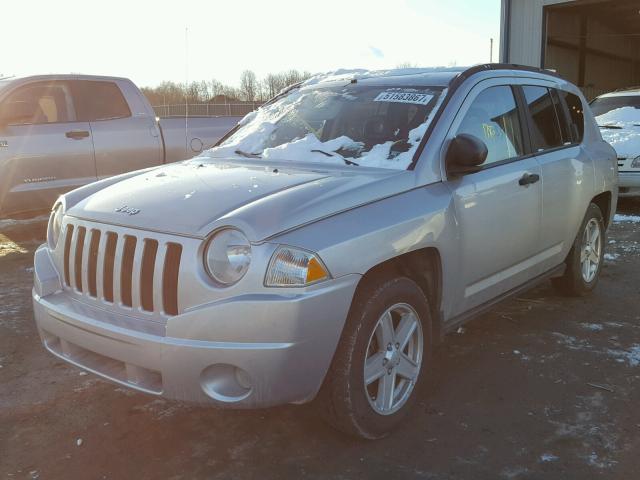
145, 40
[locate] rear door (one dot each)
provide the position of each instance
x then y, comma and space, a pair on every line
46, 149
124, 139
556, 136
499, 207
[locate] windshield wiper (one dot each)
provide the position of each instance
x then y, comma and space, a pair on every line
247, 154
327, 154
611, 127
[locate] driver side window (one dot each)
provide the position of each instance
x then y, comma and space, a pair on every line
37, 104
493, 118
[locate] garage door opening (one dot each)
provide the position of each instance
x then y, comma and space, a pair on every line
594, 44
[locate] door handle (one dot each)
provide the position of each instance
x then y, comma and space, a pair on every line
77, 134
529, 179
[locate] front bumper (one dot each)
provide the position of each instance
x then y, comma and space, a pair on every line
182, 360
629, 184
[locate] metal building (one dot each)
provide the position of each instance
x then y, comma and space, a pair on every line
593, 43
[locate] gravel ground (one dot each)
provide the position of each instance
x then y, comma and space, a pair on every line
541, 387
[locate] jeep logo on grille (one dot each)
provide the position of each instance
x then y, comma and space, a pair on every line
128, 210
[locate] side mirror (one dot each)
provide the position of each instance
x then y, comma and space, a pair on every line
466, 153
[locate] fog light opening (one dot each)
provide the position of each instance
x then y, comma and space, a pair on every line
226, 383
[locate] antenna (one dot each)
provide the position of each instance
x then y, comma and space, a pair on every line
491, 50
186, 90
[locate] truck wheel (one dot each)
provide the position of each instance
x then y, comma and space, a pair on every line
381, 359
586, 256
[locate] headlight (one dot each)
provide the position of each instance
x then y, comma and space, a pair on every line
55, 225
228, 256
291, 267
635, 163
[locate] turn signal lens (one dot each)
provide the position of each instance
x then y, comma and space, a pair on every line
291, 267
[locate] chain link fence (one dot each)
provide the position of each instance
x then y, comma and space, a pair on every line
206, 109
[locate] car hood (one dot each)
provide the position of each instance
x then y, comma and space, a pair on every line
196, 197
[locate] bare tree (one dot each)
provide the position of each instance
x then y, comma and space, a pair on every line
248, 86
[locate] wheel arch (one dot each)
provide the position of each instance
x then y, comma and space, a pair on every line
423, 266
603, 201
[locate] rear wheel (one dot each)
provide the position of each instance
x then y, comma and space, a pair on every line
585, 259
380, 360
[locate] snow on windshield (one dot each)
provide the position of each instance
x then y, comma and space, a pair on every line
372, 126
622, 130
620, 116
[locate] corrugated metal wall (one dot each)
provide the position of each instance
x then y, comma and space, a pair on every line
525, 31
583, 48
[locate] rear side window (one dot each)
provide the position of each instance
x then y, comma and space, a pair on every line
493, 118
576, 114
545, 125
99, 101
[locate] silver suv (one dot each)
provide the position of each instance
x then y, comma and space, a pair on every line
326, 245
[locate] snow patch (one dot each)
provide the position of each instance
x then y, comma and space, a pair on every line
626, 218
594, 327
631, 356
346, 75
611, 257
548, 457
260, 128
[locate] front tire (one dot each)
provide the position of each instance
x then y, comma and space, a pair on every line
381, 359
586, 257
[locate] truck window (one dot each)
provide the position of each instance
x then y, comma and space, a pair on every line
576, 113
545, 126
493, 118
99, 101
38, 103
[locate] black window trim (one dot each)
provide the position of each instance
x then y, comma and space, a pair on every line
567, 111
46, 82
524, 129
525, 118
529, 120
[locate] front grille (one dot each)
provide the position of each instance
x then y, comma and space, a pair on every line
128, 270
621, 161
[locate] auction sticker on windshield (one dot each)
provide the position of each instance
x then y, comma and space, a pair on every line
403, 97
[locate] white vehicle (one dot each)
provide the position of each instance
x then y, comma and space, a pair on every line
618, 115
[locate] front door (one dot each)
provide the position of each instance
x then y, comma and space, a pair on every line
499, 207
45, 150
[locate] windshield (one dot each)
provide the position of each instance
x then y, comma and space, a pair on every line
614, 110
348, 125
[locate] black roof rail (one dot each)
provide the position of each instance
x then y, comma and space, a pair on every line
508, 66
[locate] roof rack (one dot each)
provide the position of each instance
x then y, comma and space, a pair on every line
509, 66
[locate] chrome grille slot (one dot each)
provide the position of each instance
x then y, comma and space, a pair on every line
93, 262
146, 274
108, 264
117, 266
170, 278
77, 258
126, 272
